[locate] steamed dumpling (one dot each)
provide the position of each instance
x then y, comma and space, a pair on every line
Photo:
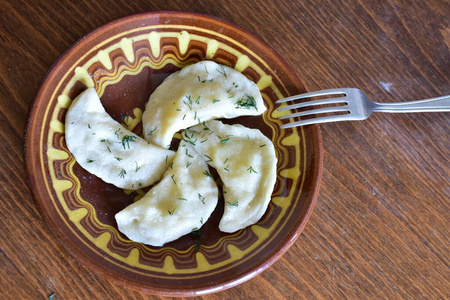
198, 93
181, 202
246, 162
106, 149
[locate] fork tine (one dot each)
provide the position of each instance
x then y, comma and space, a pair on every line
317, 111
312, 94
326, 119
314, 102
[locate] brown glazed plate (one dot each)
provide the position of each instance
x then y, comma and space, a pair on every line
125, 60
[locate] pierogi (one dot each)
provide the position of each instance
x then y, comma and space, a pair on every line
106, 149
181, 202
246, 162
198, 93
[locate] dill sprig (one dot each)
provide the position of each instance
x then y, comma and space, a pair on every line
201, 198
118, 133
234, 203
251, 170
151, 132
222, 71
246, 102
126, 141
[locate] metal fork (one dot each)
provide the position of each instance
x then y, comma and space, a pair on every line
353, 105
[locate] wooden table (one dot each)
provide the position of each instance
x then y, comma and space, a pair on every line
380, 228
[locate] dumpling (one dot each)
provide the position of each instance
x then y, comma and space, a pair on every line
181, 202
198, 93
246, 162
106, 149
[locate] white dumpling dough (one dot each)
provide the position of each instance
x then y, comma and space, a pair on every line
181, 202
246, 162
106, 149
198, 93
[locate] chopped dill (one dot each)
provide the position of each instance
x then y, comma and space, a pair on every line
90, 161
118, 158
201, 198
197, 247
223, 141
222, 71
118, 133
171, 211
151, 132
209, 158
234, 203
207, 173
251, 170
126, 141
196, 233
122, 173
246, 102
137, 167
173, 179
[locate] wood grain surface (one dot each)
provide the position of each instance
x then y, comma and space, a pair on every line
380, 229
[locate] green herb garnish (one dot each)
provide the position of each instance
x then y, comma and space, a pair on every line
234, 203
246, 102
251, 170
151, 132
222, 71
126, 141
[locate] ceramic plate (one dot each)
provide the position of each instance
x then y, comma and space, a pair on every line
125, 61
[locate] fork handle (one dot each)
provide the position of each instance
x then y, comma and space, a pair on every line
433, 104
